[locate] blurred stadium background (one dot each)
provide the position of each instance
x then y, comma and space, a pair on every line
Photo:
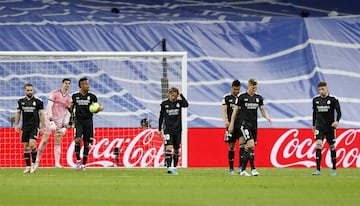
287, 45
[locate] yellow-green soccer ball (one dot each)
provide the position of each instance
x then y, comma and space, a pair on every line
94, 107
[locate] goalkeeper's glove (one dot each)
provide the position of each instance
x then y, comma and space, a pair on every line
52, 126
62, 131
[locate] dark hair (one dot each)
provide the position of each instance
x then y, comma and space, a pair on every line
66, 79
236, 83
28, 85
173, 89
81, 80
253, 81
322, 84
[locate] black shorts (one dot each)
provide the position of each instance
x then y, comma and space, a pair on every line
248, 133
29, 133
236, 133
329, 134
84, 129
173, 139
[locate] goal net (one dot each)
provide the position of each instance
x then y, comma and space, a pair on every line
130, 86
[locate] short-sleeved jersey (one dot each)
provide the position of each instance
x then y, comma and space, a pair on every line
323, 111
229, 100
170, 115
60, 106
30, 111
248, 107
82, 104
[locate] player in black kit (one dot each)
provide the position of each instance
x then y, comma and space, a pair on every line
247, 104
324, 124
170, 126
228, 104
32, 110
84, 129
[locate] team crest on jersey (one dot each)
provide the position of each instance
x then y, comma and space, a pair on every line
246, 99
166, 106
257, 99
328, 102
88, 98
34, 103
317, 102
177, 105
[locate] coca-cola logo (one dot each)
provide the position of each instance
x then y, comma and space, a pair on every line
291, 149
142, 150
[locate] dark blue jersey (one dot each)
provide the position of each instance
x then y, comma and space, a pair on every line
229, 100
248, 107
30, 111
170, 115
324, 111
81, 105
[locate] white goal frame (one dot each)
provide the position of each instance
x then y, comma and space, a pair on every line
182, 55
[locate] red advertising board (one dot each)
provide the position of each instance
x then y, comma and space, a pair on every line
206, 148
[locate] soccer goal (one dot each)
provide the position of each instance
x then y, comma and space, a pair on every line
130, 85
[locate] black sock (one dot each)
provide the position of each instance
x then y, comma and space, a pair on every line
245, 160
85, 152
333, 158
33, 155
231, 154
251, 158
27, 157
77, 151
176, 159
241, 154
318, 158
168, 158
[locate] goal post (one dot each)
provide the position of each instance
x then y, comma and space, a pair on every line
128, 84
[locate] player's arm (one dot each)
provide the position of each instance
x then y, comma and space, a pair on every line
17, 120
338, 114
42, 120
49, 108
183, 101
161, 119
313, 116
265, 114
233, 116
224, 115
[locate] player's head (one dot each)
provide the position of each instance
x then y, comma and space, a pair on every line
323, 89
145, 123
252, 86
28, 88
84, 84
66, 83
173, 94
235, 87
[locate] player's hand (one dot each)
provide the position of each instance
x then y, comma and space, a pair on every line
269, 120
313, 128
41, 130
17, 130
160, 133
101, 108
335, 124
227, 124
231, 129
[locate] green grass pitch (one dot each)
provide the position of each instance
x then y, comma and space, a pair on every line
195, 186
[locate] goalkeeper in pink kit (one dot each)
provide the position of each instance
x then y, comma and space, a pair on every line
57, 118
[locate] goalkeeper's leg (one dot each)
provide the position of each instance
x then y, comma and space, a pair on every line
57, 149
41, 149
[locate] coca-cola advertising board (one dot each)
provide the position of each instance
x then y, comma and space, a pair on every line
206, 148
